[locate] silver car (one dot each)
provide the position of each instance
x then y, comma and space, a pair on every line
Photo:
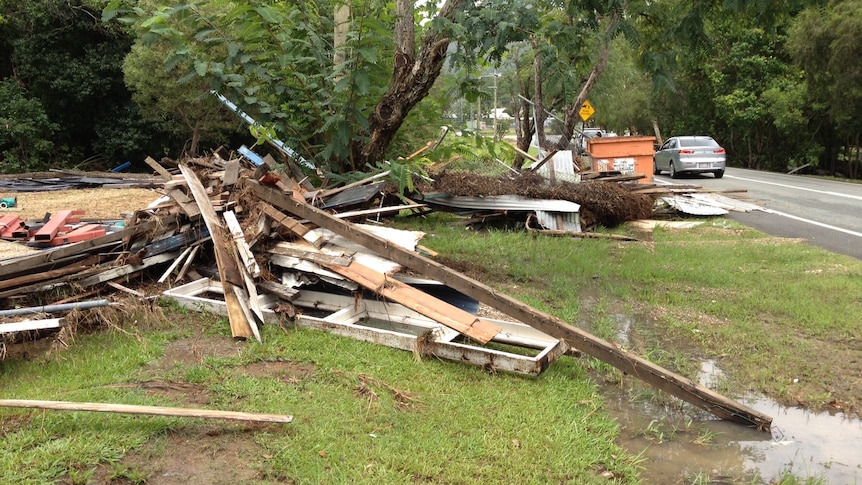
690, 154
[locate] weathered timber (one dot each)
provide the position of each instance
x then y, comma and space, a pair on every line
291, 224
309, 254
47, 275
418, 301
147, 410
158, 168
653, 374
127, 269
241, 326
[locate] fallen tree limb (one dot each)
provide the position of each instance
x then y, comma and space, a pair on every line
149, 410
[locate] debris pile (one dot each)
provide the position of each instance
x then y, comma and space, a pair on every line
246, 239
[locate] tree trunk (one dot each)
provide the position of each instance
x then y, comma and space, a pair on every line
524, 126
538, 103
523, 121
573, 111
412, 79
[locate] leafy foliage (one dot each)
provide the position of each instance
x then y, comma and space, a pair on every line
25, 130
67, 65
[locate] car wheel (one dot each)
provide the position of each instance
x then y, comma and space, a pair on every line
673, 173
655, 169
719, 174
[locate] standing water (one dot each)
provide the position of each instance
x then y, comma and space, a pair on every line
823, 447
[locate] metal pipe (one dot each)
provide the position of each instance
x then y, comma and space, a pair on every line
54, 308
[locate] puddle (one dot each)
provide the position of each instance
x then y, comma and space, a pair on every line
826, 448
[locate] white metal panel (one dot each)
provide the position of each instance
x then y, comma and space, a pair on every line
350, 319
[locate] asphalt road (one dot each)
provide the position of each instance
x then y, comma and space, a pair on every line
826, 213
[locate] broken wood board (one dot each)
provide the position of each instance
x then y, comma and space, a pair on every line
241, 326
653, 374
393, 325
30, 325
148, 410
419, 301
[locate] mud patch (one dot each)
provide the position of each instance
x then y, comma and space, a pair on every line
223, 453
290, 373
194, 351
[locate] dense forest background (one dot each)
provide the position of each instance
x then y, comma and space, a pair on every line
779, 84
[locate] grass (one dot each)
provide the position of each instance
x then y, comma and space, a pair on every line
363, 413
761, 307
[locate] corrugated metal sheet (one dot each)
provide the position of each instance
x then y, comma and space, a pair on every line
548, 211
725, 202
571, 220
502, 202
693, 207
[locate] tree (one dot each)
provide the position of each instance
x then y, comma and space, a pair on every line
67, 64
276, 61
827, 43
187, 110
25, 130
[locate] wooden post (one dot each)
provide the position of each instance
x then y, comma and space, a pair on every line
653, 374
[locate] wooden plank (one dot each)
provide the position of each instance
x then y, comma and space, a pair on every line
125, 289
433, 308
291, 224
326, 193
381, 210
229, 273
30, 325
651, 373
127, 269
158, 168
182, 273
243, 249
231, 173
147, 410
186, 204
309, 254
47, 275
174, 265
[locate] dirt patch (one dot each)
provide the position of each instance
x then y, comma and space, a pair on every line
288, 372
194, 351
99, 203
219, 453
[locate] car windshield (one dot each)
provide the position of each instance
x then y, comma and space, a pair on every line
698, 142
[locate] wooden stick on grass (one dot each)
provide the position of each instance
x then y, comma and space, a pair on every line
150, 410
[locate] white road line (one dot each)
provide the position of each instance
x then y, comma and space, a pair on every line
815, 223
789, 216
836, 194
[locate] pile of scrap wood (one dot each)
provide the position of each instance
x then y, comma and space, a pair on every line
242, 240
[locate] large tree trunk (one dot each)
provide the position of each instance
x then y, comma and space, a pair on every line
412, 78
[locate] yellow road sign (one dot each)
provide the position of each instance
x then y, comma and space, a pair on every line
586, 111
